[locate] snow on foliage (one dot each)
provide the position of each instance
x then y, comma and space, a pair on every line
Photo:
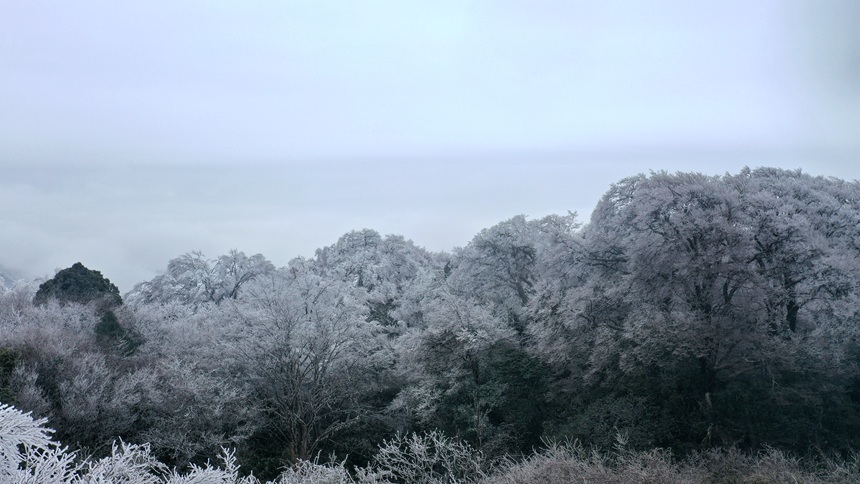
193, 279
28, 455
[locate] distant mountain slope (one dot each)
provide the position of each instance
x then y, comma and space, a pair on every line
8, 277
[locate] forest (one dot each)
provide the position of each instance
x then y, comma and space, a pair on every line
695, 328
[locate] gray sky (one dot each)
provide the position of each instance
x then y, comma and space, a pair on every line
132, 132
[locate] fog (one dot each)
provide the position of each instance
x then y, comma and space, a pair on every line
130, 134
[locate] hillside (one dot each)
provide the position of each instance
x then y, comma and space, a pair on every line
690, 313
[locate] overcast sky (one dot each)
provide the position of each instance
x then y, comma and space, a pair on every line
133, 132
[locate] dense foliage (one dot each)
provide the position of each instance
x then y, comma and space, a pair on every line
77, 284
691, 312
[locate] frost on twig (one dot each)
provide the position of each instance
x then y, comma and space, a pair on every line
27, 453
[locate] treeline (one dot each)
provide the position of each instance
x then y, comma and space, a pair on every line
690, 312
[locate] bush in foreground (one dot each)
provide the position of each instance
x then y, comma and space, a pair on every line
570, 462
28, 455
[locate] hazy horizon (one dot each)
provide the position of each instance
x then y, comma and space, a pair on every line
131, 134
285, 213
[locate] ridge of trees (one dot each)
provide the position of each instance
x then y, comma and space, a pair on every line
690, 312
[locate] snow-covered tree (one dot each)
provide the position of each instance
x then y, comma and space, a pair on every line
508, 264
193, 279
717, 283
304, 344
385, 267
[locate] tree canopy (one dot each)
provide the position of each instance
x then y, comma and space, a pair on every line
77, 284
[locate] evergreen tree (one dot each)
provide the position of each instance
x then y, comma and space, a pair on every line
80, 285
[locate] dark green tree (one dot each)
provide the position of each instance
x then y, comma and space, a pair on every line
8, 362
77, 284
